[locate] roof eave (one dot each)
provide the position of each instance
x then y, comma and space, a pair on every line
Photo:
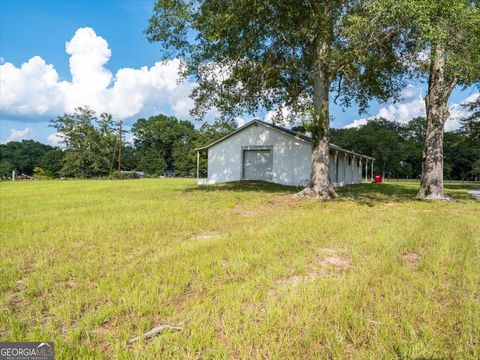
278, 128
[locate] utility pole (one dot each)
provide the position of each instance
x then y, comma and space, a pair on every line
120, 147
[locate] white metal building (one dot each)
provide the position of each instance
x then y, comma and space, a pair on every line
263, 151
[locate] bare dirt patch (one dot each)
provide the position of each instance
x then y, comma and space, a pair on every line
328, 264
14, 302
335, 263
242, 211
412, 259
206, 235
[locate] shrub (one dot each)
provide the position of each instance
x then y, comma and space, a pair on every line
41, 174
117, 175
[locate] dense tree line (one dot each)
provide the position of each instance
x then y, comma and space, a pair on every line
23, 156
397, 148
163, 145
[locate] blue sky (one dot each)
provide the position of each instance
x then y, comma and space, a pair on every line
56, 54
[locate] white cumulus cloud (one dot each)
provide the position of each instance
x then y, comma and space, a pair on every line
18, 135
55, 139
412, 105
457, 112
240, 121
34, 88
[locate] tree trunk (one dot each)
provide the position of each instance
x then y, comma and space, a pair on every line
436, 101
320, 186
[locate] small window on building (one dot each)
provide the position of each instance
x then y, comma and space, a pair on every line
349, 160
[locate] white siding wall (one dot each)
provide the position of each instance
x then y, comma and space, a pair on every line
291, 158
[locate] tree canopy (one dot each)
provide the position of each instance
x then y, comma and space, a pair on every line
89, 142
249, 56
444, 46
23, 156
164, 144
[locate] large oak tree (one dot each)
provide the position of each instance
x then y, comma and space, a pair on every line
250, 56
445, 39
449, 30
441, 44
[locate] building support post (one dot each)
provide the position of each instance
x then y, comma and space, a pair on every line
372, 169
344, 168
359, 172
336, 167
366, 171
353, 169
198, 164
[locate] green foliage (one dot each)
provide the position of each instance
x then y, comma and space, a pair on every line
152, 162
471, 124
89, 142
165, 144
41, 174
124, 175
52, 161
208, 133
23, 156
459, 156
452, 24
397, 148
476, 169
38, 171
129, 157
261, 55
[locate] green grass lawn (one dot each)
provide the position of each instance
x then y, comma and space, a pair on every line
251, 272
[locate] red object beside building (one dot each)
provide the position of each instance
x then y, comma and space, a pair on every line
378, 178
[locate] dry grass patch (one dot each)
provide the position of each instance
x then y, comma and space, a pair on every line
412, 259
328, 264
206, 235
335, 264
241, 210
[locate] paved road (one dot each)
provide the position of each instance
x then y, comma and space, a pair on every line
475, 194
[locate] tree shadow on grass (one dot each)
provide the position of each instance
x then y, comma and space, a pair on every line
368, 194
379, 190
372, 193
246, 186
460, 186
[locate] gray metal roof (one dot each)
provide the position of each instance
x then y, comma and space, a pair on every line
290, 132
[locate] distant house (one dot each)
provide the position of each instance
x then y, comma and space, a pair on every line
24, 177
262, 151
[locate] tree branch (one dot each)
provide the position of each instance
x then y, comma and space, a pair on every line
295, 66
315, 8
451, 85
338, 89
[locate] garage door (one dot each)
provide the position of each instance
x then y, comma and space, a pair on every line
257, 164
